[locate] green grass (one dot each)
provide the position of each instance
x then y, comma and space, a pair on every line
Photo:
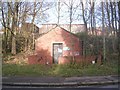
90, 70
59, 70
24, 70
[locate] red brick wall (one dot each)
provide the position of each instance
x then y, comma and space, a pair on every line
80, 60
41, 57
44, 44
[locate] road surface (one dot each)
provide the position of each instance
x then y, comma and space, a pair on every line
106, 87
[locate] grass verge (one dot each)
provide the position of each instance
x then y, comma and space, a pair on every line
59, 70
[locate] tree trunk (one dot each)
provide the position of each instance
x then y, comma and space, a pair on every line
13, 45
13, 48
112, 16
26, 44
70, 28
103, 30
15, 27
58, 12
86, 30
118, 32
115, 15
108, 16
92, 15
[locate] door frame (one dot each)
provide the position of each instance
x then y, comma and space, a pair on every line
53, 49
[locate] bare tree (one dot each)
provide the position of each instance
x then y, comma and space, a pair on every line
13, 16
118, 32
86, 16
108, 15
72, 7
58, 12
103, 30
112, 16
5, 28
83, 15
92, 16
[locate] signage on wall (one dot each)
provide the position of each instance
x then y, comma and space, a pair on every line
59, 50
66, 48
76, 53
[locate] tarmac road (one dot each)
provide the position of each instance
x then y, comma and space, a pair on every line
100, 87
68, 83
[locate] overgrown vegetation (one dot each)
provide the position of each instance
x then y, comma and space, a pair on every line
93, 44
110, 67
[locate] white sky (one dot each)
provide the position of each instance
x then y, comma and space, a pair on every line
64, 19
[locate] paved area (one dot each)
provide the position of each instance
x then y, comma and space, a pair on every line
60, 81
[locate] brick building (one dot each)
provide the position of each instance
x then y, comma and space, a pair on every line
54, 46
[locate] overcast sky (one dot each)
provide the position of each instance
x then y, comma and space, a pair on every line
64, 12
